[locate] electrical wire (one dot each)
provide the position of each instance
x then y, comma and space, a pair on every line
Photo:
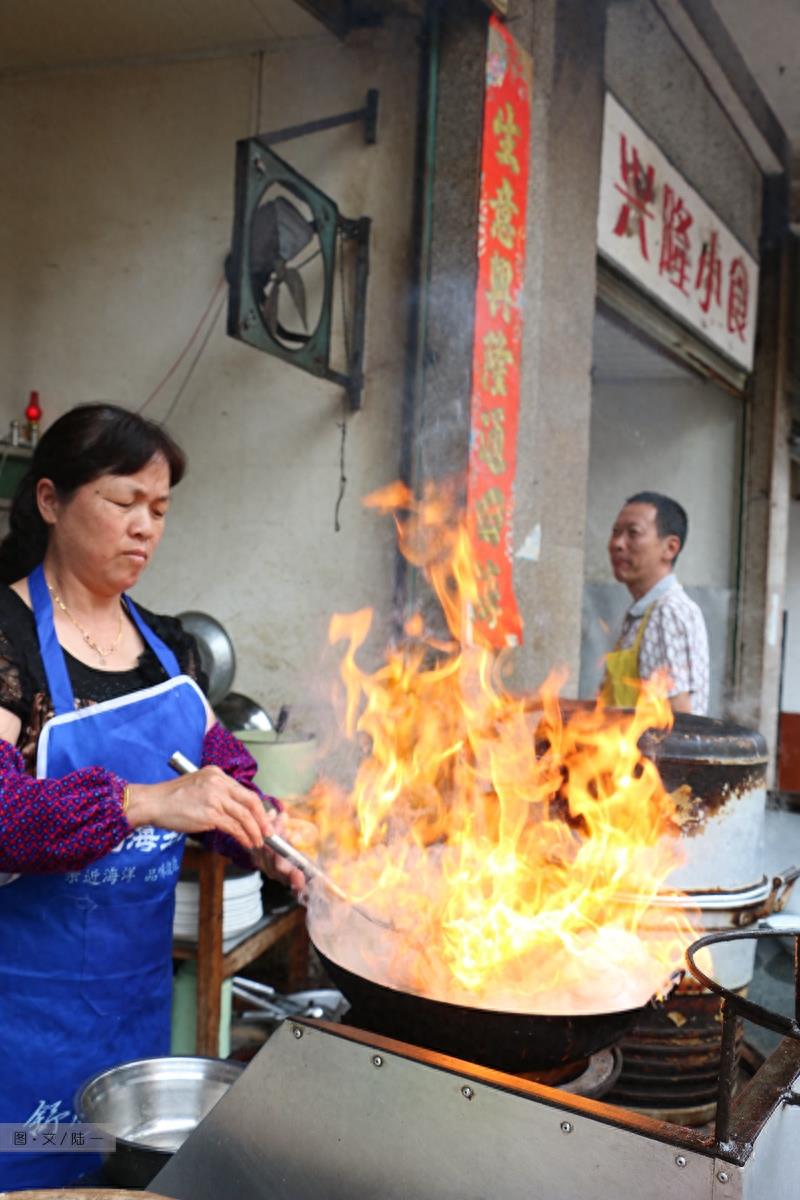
343, 424
194, 362
220, 284
259, 84
259, 91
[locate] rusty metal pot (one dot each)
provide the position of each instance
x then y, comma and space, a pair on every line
716, 773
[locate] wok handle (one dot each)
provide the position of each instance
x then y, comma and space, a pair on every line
781, 887
312, 870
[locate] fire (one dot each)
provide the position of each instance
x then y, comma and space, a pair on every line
517, 850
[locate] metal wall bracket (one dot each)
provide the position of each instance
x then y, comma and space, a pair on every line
368, 114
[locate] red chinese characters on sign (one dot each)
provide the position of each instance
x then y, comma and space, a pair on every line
638, 191
498, 336
695, 267
709, 274
738, 298
675, 245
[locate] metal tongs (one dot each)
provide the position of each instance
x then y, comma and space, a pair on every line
311, 869
269, 1005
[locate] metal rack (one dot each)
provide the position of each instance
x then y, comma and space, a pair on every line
735, 1007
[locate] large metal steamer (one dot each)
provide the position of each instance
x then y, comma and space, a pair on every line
716, 774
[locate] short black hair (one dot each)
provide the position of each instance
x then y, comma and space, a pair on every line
671, 517
88, 441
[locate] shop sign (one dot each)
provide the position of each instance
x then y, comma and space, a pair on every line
659, 231
498, 336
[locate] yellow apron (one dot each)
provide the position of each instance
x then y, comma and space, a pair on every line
622, 682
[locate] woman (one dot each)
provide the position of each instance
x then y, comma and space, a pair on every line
95, 696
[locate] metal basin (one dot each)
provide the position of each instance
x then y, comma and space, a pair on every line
151, 1106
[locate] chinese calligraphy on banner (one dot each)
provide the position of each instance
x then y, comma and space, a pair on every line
498, 336
658, 230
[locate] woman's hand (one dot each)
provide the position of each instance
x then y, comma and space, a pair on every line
303, 836
279, 869
210, 799
205, 799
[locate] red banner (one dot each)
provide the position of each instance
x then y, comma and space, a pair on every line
498, 336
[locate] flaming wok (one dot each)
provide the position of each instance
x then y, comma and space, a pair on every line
507, 1041
514, 853
398, 986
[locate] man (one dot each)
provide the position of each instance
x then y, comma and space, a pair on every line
663, 629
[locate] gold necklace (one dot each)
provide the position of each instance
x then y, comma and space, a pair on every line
87, 637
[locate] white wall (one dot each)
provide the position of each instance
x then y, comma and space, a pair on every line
680, 437
115, 218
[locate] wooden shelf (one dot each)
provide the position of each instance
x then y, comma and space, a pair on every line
218, 960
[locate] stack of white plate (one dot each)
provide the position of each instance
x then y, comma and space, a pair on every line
241, 904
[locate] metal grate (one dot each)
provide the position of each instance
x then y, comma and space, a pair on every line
735, 1008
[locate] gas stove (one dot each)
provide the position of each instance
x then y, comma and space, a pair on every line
330, 1111
592, 1076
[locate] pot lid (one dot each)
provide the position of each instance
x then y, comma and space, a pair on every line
696, 739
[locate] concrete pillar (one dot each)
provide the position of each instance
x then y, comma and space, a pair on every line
437, 414
566, 40
765, 512
443, 410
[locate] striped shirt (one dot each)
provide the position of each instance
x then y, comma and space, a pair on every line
675, 639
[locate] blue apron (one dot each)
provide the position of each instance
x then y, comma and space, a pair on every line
85, 956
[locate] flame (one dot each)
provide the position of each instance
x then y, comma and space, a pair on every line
516, 850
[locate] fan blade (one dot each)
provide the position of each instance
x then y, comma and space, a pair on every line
278, 232
293, 230
264, 240
270, 311
291, 335
297, 290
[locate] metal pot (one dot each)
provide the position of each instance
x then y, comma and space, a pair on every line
717, 773
236, 711
217, 656
151, 1106
503, 1040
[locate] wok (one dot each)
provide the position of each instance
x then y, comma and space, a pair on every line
514, 1042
